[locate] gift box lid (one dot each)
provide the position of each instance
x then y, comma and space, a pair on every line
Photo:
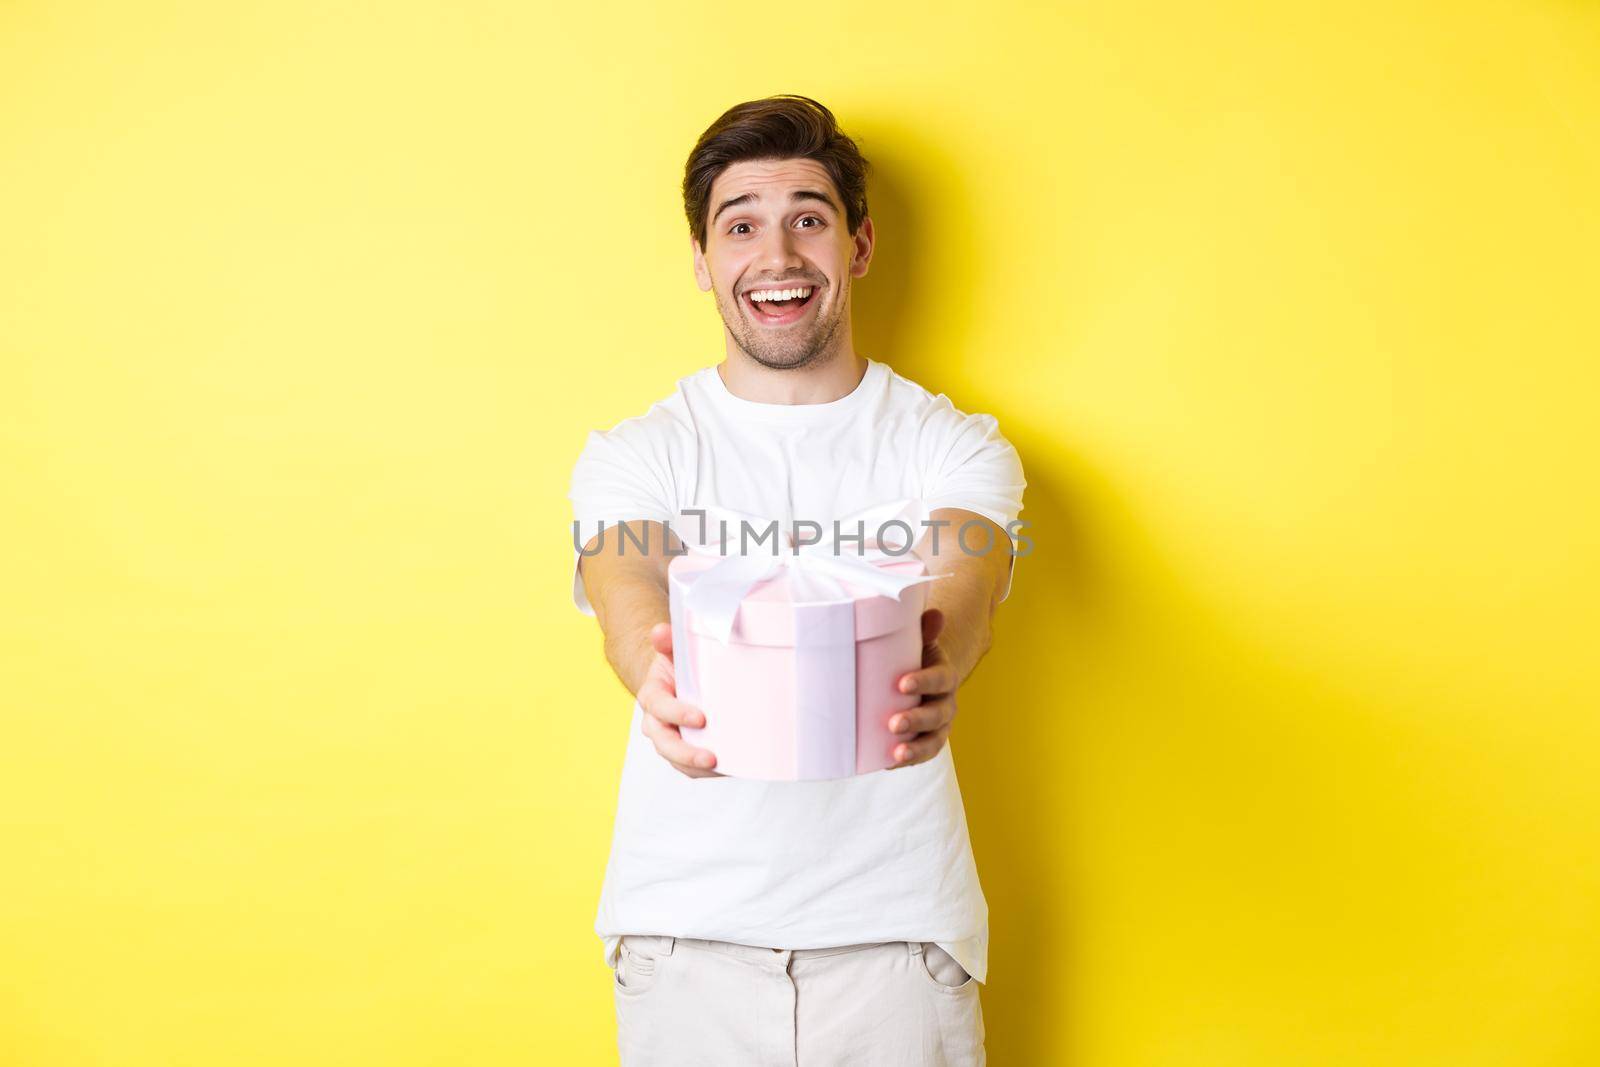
768, 613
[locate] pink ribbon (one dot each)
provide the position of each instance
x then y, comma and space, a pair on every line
815, 569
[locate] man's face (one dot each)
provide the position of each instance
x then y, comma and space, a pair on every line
775, 225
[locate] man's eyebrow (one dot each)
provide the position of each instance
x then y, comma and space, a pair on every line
797, 195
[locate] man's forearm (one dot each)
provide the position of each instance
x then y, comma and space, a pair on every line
970, 590
966, 599
632, 605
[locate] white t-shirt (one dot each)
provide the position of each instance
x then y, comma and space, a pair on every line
883, 856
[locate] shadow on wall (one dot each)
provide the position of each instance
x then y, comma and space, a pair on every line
1009, 747
902, 274
1189, 809
1012, 747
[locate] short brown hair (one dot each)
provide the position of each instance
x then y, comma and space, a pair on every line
775, 127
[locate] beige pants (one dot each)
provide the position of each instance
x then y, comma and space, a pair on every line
686, 1001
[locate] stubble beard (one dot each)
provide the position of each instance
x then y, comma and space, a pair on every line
787, 353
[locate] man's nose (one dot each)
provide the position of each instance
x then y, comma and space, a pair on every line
779, 251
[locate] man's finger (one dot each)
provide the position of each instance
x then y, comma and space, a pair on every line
670, 709
932, 625
673, 748
661, 638
921, 749
939, 678
929, 715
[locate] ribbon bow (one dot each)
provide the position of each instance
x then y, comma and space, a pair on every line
815, 568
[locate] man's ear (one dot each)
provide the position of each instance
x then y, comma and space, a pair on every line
864, 243
702, 273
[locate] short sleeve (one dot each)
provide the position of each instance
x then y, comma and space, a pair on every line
612, 482
978, 470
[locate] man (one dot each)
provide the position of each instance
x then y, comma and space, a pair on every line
815, 922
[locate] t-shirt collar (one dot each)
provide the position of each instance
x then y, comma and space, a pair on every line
793, 413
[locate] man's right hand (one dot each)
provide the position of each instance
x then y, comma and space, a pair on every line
664, 713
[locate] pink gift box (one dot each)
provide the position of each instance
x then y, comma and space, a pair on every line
802, 689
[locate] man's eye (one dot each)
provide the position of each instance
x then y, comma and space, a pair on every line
735, 227
812, 218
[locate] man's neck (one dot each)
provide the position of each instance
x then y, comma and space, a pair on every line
819, 383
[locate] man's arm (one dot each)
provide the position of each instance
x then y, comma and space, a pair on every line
957, 626
628, 589
978, 561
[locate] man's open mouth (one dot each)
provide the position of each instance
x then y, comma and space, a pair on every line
779, 306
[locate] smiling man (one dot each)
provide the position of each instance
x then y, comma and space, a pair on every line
821, 922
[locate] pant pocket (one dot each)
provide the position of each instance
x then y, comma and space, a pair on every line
942, 970
637, 963
956, 1005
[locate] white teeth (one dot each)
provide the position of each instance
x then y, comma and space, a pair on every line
780, 294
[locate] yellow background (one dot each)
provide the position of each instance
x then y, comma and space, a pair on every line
1287, 751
